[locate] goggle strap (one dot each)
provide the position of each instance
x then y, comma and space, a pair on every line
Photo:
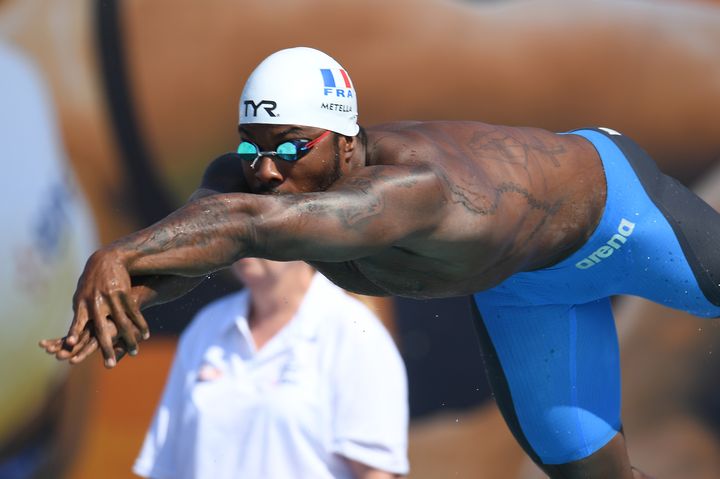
314, 142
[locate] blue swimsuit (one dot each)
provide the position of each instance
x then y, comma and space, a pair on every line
549, 339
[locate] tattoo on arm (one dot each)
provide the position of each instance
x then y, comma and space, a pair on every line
353, 209
199, 238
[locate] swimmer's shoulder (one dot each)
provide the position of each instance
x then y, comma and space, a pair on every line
225, 174
410, 143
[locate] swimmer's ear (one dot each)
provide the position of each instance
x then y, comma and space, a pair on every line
347, 149
348, 146
349, 140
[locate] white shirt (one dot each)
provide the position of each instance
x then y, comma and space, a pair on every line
330, 383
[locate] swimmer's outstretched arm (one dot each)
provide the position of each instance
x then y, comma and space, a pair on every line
365, 213
146, 291
223, 175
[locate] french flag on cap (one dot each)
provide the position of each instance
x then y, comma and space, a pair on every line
335, 78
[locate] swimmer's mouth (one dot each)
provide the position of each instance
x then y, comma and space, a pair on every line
267, 190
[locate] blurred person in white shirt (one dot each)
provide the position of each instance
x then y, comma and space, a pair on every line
289, 378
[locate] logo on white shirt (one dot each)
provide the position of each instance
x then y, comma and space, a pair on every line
208, 372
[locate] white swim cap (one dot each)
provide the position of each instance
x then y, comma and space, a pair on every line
300, 86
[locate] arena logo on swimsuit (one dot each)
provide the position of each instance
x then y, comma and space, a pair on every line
625, 229
334, 80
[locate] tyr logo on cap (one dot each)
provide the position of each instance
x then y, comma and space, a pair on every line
269, 109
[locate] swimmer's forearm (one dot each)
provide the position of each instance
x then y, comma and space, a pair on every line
201, 237
156, 289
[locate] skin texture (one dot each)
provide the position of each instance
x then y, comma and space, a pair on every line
500, 201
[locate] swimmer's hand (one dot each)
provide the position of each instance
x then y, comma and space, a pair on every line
86, 345
104, 297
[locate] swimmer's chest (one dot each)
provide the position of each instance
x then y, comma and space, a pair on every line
402, 273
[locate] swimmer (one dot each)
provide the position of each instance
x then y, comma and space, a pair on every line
539, 228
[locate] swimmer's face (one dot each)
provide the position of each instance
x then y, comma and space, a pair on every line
316, 170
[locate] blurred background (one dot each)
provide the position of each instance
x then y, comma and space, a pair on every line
110, 111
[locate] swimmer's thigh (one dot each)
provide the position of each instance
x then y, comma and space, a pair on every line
555, 374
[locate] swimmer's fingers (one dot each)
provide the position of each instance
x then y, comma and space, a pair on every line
61, 349
67, 351
103, 332
79, 322
125, 327
85, 352
51, 346
120, 352
91, 347
132, 309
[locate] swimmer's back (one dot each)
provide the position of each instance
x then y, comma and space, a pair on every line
530, 192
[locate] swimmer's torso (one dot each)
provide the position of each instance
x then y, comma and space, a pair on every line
515, 199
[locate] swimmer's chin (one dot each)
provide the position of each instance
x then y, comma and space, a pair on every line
269, 191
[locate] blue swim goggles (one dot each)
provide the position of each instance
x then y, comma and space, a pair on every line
291, 150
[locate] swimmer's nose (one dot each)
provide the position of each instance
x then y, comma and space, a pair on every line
267, 173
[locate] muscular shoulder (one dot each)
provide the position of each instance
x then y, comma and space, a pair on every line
225, 175
402, 143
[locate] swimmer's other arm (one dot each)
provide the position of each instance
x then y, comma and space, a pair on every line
363, 214
223, 175
146, 291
